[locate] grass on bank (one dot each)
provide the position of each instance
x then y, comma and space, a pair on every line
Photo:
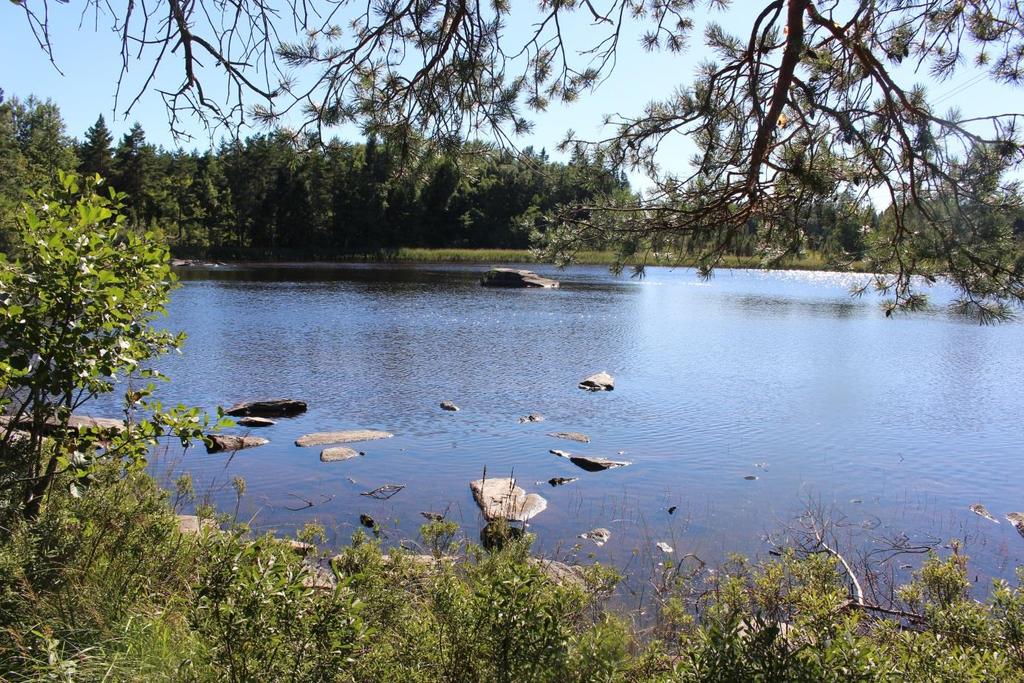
808, 261
104, 587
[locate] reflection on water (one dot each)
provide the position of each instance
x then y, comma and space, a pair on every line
779, 375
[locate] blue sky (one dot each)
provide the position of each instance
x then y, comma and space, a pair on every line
90, 62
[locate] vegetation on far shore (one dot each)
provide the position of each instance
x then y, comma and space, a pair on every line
806, 261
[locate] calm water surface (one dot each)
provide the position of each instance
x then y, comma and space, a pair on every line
899, 424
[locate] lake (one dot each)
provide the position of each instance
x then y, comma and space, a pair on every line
895, 425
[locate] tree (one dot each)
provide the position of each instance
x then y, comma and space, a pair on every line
78, 296
133, 161
95, 154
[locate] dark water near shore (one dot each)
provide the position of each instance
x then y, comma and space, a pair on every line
900, 424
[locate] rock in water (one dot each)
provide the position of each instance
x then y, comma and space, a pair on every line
255, 422
276, 407
511, 277
230, 442
502, 499
559, 481
346, 436
448, 405
588, 463
602, 381
338, 453
664, 547
599, 536
571, 436
532, 417
1017, 520
981, 510
367, 521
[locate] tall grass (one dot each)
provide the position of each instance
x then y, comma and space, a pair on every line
104, 587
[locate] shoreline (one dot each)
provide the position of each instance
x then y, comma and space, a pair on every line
188, 258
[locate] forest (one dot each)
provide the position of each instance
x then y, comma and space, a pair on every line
275, 195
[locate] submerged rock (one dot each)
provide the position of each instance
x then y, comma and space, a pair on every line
448, 405
275, 407
590, 464
344, 436
230, 442
571, 436
367, 521
599, 536
981, 510
602, 381
255, 422
532, 417
512, 277
501, 499
338, 454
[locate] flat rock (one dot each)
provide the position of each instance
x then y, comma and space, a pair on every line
571, 436
345, 436
532, 417
448, 405
599, 536
501, 499
275, 407
588, 463
664, 547
75, 423
191, 524
230, 442
338, 453
981, 510
515, 278
255, 422
602, 381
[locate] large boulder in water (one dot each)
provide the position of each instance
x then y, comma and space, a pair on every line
511, 277
276, 407
602, 381
501, 499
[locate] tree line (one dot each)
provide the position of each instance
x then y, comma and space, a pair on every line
272, 194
